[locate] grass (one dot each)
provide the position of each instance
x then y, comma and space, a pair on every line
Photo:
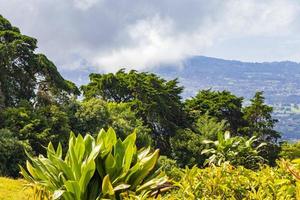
11, 189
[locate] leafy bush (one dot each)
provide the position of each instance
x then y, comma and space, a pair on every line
38, 125
105, 167
11, 153
186, 148
290, 150
228, 182
96, 113
236, 150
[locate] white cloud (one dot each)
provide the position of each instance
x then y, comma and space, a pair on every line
85, 4
158, 42
110, 34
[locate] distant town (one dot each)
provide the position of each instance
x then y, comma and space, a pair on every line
280, 82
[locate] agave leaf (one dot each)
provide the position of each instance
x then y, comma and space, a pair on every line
107, 188
121, 187
110, 164
144, 153
152, 184
89, 143
59, 151
101, 136
147, 164
58, 194
88, 169
110, 139
73, 188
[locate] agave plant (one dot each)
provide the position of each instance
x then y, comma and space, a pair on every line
105, 167
235, 150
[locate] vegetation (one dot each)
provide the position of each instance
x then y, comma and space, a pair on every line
14, 189
228, 182
213, 147
105, 167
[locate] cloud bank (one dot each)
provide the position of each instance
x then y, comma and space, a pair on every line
112, 34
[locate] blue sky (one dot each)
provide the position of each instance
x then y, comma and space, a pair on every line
105, 35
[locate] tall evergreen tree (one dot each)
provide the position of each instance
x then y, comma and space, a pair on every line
260, 122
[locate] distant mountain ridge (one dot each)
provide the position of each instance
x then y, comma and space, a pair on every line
279, 80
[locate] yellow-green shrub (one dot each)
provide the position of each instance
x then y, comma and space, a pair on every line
228, 182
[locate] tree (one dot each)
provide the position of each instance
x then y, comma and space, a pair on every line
38, 125
94, 114
156, 101
221, 105
25, 74
11, 153
186, 148
260, 124
209, 127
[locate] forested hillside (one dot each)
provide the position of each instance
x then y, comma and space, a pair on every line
141, 116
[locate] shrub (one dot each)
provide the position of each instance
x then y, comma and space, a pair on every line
228, 182
186, 148
11, 153
235, 150
105, 167
290, 150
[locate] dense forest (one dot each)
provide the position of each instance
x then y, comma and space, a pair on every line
206, 143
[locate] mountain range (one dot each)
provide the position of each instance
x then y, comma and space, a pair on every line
280, 82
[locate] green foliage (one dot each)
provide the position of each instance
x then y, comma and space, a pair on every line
235, 150
156, 101
95, 113
169, 166
259, 120
221, 105
227, 182
290, 151
209, 127
105, 167
260, 123
25, 74
11, 153
187, 144
38, 126
186, 148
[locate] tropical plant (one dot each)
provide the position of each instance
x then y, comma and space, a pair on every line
105, 167
235, 150
290, 151
209, 127
234, 183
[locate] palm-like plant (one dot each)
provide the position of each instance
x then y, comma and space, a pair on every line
235, 150
105, 167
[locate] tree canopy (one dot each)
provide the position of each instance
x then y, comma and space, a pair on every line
156, 101
25, 74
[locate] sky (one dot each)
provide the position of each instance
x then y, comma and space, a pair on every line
106, 35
